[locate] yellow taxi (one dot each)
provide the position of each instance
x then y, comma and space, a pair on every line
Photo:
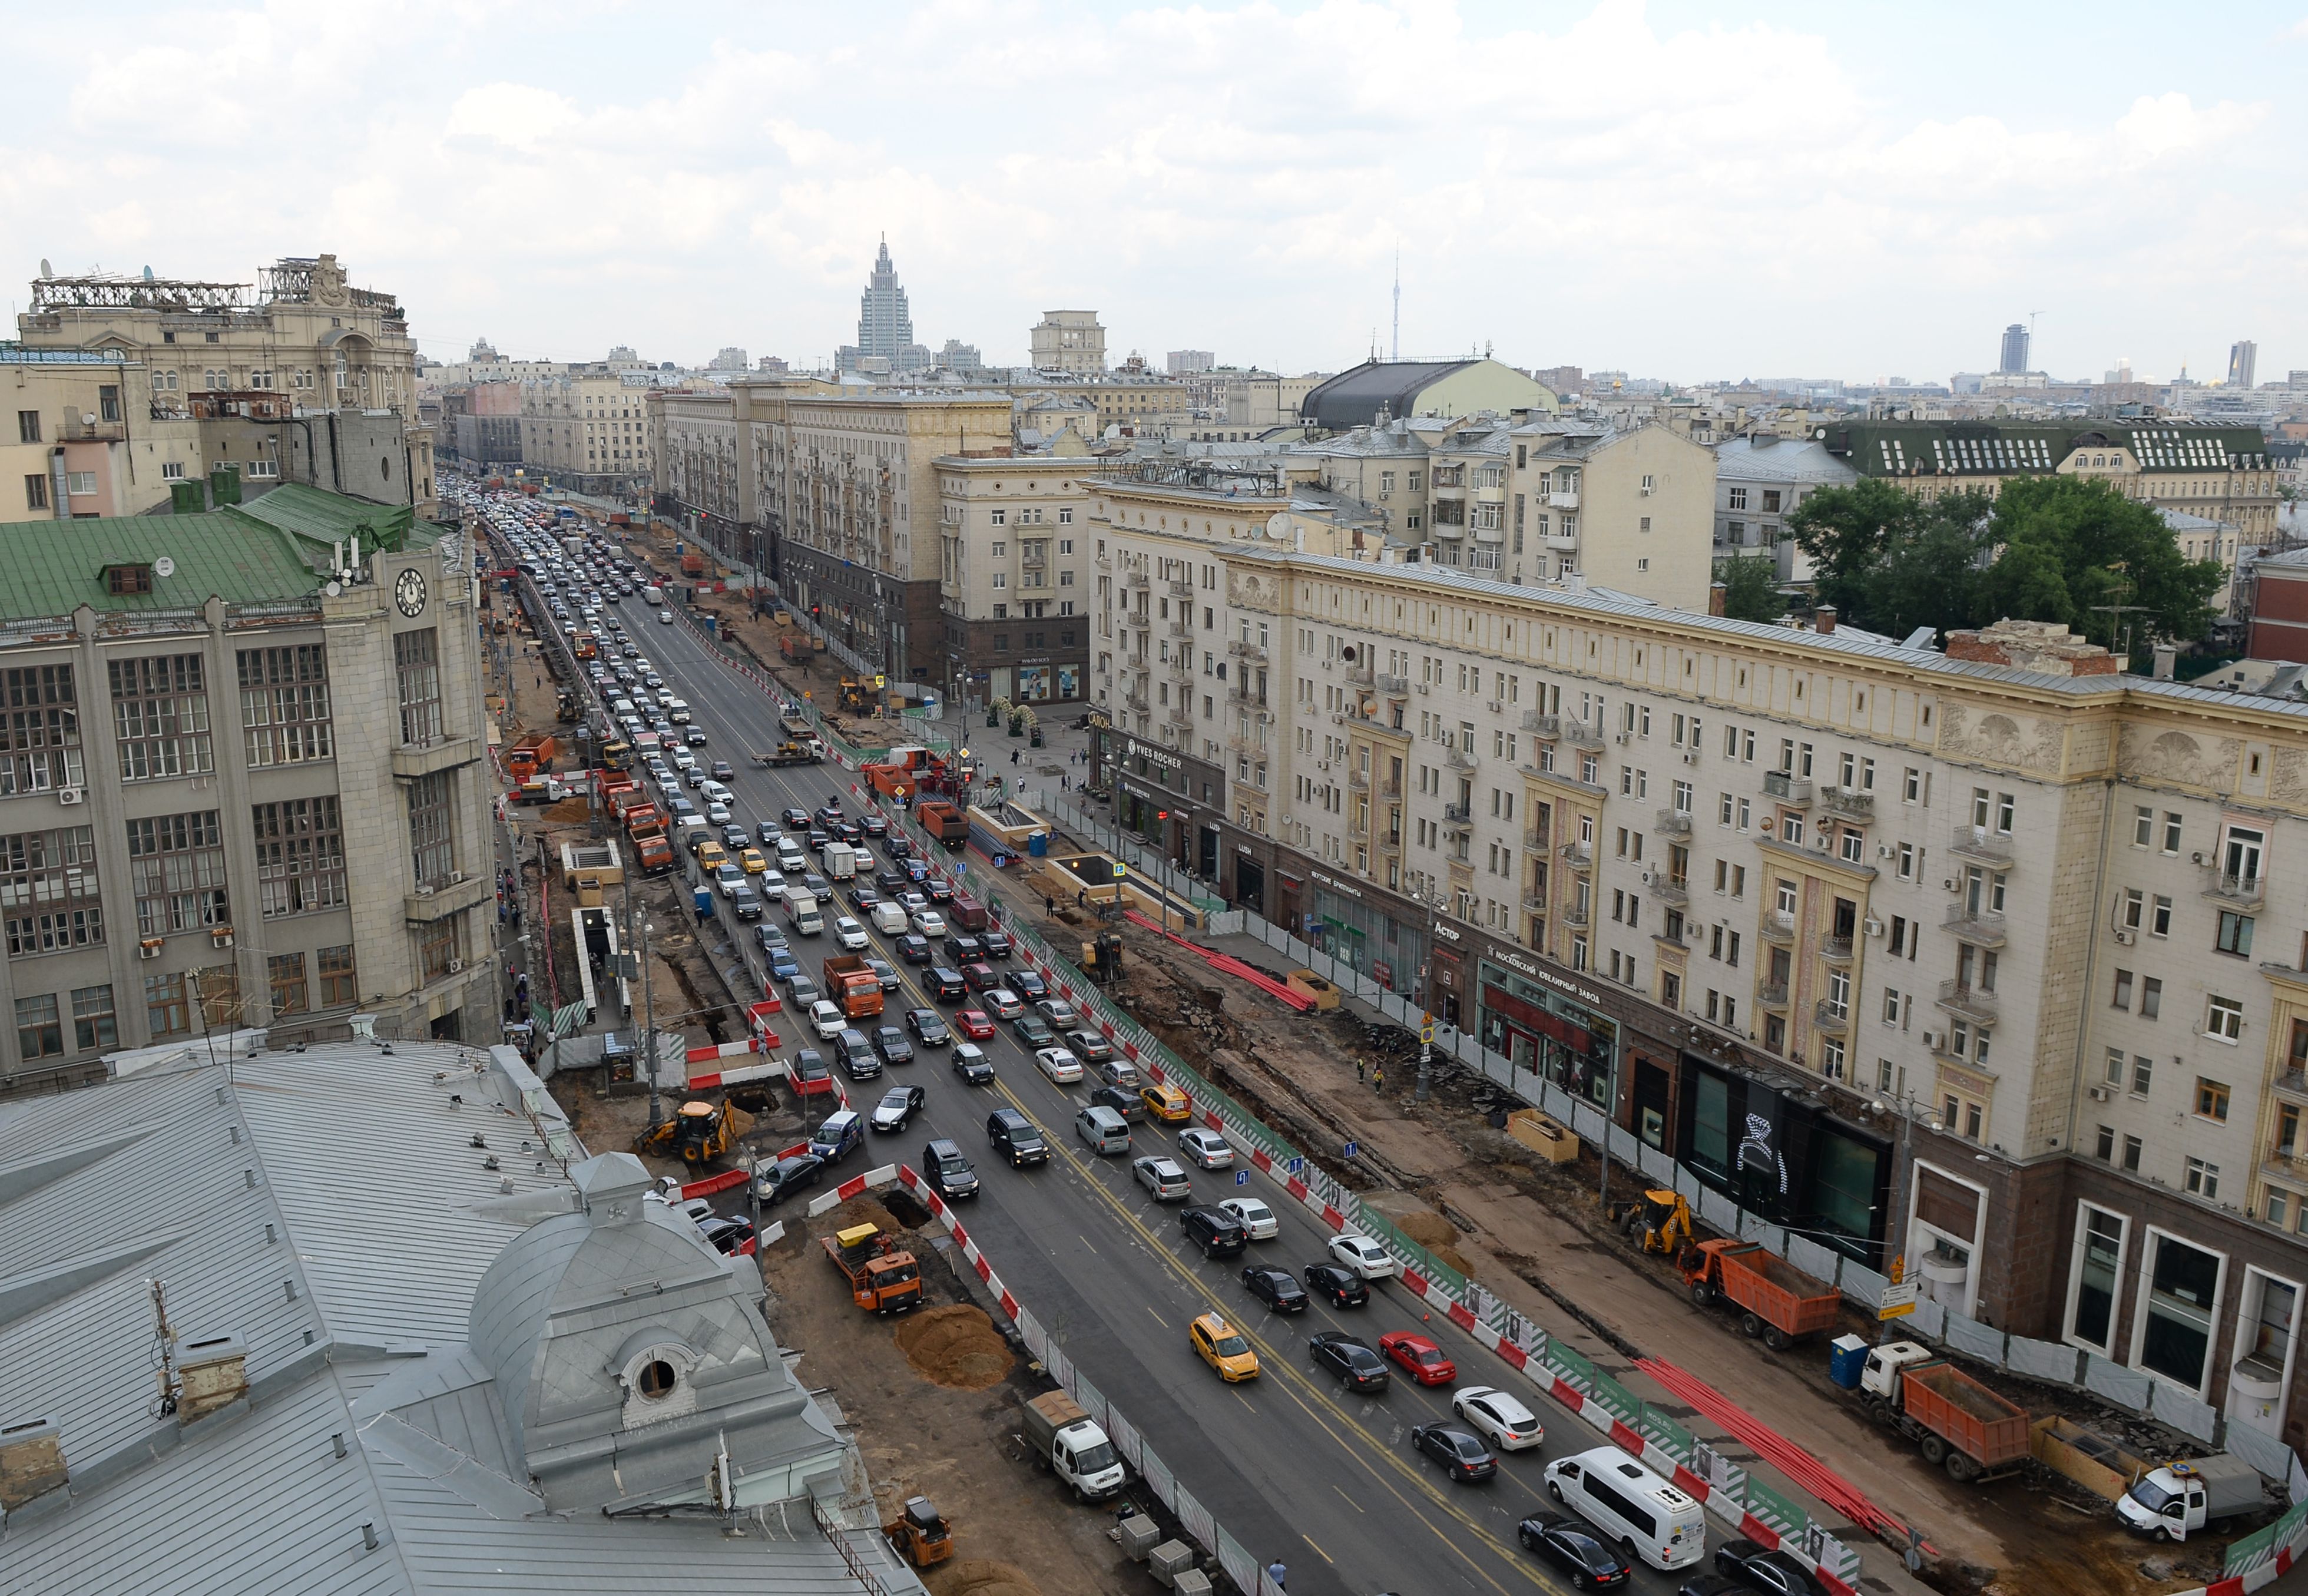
1166, 1102
751, 858
1220, 1345
710, 857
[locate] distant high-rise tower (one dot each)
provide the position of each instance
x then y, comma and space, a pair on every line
885, 326
1067, 340
2242, 355
2015, 348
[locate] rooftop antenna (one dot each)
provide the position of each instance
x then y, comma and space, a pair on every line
1398, 300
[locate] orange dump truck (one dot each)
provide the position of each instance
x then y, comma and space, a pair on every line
531, 754
852, 984
1955, 1420
646, 826
944, 821
883, 1277
799, 648
1775, 1301
693, 565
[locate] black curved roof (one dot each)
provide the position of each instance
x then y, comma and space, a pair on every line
1358, 397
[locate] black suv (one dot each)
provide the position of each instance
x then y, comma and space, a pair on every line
998, 944
1014, 1137
945, 983
948, 1173
857, 1055
1128, 1104
1216, 1232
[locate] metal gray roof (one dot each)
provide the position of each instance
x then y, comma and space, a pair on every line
1783, 460
1357, 397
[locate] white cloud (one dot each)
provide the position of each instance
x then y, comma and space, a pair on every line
1696, 202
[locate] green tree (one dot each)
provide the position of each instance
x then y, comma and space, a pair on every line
2066, 545
1889, 562
1845, 531
1751, 588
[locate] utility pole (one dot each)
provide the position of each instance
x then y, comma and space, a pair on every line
1433, 898
648, 1015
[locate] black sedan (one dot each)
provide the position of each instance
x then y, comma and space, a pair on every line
729, 1234
1029, 985
1339, 1286
898, 846
1459, 1451
945, 983
890, 1043
937, 889
863, 897
791, 1175
998, 944
929, 1028
1772, 1572
1359, 1366
915, 949
795, 819
890, 881
875, 825
884, 971
1276, 1288
1577, 1548
896, 1108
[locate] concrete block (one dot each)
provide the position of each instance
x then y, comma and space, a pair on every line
1139, 1535
1191, 1582
1170, 1559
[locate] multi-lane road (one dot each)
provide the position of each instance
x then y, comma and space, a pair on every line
1293, 1466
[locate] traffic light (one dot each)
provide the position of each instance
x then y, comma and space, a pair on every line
1161, 814
814, 611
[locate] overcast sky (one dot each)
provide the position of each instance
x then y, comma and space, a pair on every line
1682, 191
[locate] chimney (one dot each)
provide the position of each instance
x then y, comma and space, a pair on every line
1822, 619
213, 1373
2166, 658
1716, 593
32, 1461
2045, 647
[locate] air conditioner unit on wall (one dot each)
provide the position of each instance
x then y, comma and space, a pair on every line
2099, 1094
2125, 936
1934, 1039
1874, 926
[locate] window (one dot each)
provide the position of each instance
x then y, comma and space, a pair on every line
2143, 827
2159, 918
284, 705
2203, 1179
166, 1012
160, 716
2143, 1073
2132, 1150
177, 872
94, 1024
301, 855
39, 1032
340, 986
2211, 1099
2123, 998
39, 731
2092, 1315
28, 427
437, 945
2135, 904
2151, 996
285, 973
417, 673
36, 490
2170, 833
81, 485
2235, 935
1738, 499
431, 829
219, 989
48, 891
2224, 1019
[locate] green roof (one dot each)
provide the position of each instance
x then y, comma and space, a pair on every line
328, 518
2019, 448
50, 568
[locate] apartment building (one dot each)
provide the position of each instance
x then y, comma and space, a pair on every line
1013, 576
243, 782
1760, 478
1067, 340
84, 439
301, 339
1137, 401
588, 428
1977, 960
2220, 473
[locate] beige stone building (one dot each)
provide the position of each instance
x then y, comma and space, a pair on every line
1014, 593
588, 428
243, 783
1985, 960
85, 438
1067, 340
302, 339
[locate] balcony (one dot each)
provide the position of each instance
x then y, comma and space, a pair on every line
1390, 788
1848, 803
1579, 735
1455, 818
1103, 562
1136, 701
1831, 1017
1983, 846
1179, 628
1836, 950
1536, 840
2245, 891
412, 760
457, 894
1673, 822
1562, 501
1182, 590
1139, 579
1575, 917
1535, 903
1544, 725
1778, 925
1792, 792
1578, 856
1242, 648
1970, 1001
1241, 743
1459, 759
1393, 686
1560, 542
77, 431
1358, 780
2292, 1083
1671, 889
1981, 927
1771, 995
1361, 676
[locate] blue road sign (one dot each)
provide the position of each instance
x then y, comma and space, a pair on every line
1350, 1149
1296, 1166
1242, 1178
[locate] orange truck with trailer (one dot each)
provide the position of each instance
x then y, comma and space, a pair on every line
530, 756
852, 984
1955, 1420
799, 648
944, 821
646, 826
1775, 1301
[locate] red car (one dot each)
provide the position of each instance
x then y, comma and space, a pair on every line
982, 977
973, 1024
1422, 1358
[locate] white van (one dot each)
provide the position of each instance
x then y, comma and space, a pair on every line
890, 919
1647, 1517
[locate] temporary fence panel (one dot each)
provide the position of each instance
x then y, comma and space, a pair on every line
1030, 1331
1774, 1509
1625, 1147
1928, 1321
1770, 1235
1158, 1477
1861, 1284
1061, 1367
2263, 1451
1093, 1400
1822, 1263
1719, 1210
2043, 1361
2126, 1388
1614, 1396
1656, 1164
1587, 1121
1128, 1443
2186, 1414
1240, 1567
1974, 1339
1195, 1520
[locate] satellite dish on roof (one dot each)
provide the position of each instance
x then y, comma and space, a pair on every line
333, 589
45, 269
164, 566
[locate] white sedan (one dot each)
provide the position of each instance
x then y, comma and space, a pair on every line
1360, 1253
1207, 1148
1496, 1414
929, 922
850, 934
826, 1018
1059, 1065
1256, 1217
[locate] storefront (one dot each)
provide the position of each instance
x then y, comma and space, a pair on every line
1786, 1156
1359, 927
1550, 1027
1167, 800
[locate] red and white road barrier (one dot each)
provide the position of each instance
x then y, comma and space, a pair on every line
855, 1186
720, 1050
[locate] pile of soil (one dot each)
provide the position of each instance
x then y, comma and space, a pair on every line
569, 811
867, 1210
1435, 1234
975, 1576
955, 1346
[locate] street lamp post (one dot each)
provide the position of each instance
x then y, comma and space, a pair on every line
1431, 898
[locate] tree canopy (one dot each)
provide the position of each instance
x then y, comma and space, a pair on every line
1751, 588
2047, 548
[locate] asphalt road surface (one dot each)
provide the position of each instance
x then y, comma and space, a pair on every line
1292, 1465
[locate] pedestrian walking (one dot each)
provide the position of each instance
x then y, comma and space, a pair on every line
1275, 1571
1362, 1069
1378, 1079
1014, 757
1050, 907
